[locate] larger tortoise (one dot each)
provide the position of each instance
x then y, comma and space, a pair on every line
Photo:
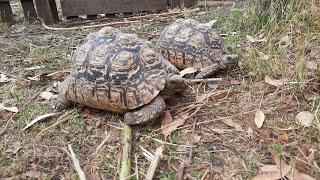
188, 43
120, 73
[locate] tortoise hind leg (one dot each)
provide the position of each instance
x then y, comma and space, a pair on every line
147, 113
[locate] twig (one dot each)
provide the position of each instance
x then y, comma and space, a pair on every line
167, 143
26, 102
125, 170
76, 163
136, 168
102, 143
61, 119
192, 141
85, 27
154, 163
207, 4
205, 80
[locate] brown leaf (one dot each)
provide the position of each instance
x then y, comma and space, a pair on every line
305, 118
39, 118
269, 168
285, 41
264, 134
196, 138
11, 109
274, 82
170, 124
189, 70
250, 38
48, 95
32, 174
259, 118
283, 138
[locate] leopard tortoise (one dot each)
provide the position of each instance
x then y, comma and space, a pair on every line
121, 73
188, 43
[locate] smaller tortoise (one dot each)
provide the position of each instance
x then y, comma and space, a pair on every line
120, 73
187, 43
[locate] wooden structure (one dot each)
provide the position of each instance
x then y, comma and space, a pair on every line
47, 9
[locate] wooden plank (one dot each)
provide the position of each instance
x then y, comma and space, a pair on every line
6, 12
47, 10
84, 7
28, 9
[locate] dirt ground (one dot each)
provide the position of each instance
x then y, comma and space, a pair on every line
276, 85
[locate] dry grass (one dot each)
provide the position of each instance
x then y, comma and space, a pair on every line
220, 150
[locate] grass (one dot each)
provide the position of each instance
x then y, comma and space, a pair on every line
291, 33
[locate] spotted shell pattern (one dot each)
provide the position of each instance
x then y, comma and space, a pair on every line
115, 71
188, 43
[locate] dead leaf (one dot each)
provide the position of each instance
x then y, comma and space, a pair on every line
229, 122
34, 78
39, 118
4, 78
11, 109
14, 148
283, 137
170, 124
189, 70
274, 82
259, 118
305, 118
48, 95
221, 131
264, 134
312, 65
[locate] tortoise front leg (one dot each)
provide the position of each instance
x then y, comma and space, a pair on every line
208, 72
147, 113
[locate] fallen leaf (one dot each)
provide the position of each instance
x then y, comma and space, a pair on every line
264, 134
283, 137
4, 78
221, 131
305, 118
170, 124
229, 122
39, 118
189, 70
48, 95
34, 78
274, 82
259, 118
11, 109
14, 148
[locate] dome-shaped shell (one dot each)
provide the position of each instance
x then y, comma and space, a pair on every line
116, 71
187, 43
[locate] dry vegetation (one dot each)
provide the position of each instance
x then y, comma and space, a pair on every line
277, 79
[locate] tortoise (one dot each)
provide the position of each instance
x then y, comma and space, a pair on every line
188, 43
120, 73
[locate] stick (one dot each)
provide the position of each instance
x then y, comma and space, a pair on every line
84, 27
125, 170
76, 163
205, 80
154, 163
207, 4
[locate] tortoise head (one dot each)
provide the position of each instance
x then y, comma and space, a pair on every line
230, 59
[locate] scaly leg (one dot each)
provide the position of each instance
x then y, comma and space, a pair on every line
146, 114
207, 72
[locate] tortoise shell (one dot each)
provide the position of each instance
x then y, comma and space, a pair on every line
188, 43
115, 71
